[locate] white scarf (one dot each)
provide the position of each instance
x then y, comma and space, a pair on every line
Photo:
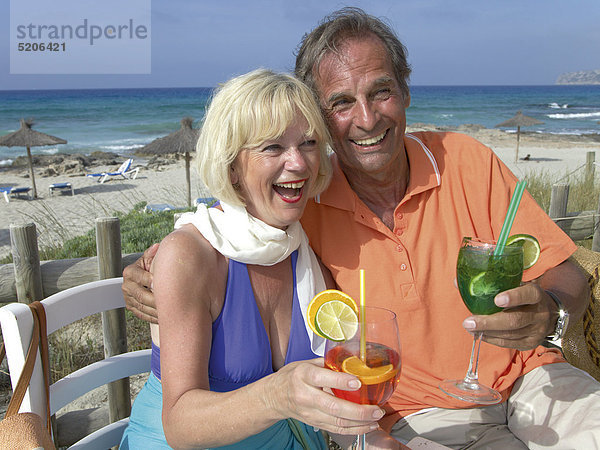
237, 235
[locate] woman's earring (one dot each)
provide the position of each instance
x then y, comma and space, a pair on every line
235, 185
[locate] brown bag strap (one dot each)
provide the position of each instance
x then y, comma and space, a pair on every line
39, 339
41, 313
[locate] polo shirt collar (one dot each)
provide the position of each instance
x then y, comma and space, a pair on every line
424, 170
424, 175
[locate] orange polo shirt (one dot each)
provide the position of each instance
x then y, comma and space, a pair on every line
458, 187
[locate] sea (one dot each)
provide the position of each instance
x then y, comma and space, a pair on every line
122, 120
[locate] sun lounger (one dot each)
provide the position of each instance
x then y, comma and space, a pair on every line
15, 192
61, 187
124, 171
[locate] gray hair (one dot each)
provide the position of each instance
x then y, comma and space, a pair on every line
344, 24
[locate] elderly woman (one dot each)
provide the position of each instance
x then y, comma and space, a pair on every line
234, 362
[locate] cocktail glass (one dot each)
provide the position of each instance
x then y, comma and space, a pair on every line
481, 275
378, 369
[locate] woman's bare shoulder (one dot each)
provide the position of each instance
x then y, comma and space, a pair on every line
185, 255
188, 268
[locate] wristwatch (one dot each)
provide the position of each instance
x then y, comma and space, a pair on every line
563, 319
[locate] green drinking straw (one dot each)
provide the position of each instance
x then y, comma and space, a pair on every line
510, 217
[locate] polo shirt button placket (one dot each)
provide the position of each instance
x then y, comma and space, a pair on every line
398, 233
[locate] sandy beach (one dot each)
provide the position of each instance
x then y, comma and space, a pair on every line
62, 216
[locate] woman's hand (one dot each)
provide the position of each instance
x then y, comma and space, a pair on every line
301, 390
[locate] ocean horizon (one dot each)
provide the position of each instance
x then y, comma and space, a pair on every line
121, 120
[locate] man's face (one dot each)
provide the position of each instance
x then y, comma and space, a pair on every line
363, 104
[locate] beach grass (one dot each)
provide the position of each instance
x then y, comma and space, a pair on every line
139, 230
80, 344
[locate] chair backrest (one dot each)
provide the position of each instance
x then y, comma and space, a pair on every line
63, 308
125, 166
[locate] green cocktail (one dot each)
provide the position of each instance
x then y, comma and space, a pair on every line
481, 275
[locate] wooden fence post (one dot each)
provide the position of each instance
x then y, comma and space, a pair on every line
26, 262
558, 201
108, 246
590, 159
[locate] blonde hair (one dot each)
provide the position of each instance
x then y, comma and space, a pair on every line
247, 111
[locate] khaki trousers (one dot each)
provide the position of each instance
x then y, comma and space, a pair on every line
554, 406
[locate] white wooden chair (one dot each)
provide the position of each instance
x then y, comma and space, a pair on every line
62, 309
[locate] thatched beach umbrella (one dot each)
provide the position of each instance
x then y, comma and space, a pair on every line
180, 141
26, 137
519, 120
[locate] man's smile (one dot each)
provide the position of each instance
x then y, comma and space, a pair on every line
370, 141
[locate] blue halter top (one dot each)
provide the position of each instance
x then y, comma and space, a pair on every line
241, 352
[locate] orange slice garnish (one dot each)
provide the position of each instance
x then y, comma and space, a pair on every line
368, 375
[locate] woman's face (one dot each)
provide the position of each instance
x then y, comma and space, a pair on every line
275, 177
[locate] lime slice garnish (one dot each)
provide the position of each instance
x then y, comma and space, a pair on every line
368, 375
531, 248
482, 285
335, 320
324, 297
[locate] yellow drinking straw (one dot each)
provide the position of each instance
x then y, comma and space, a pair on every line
363, 341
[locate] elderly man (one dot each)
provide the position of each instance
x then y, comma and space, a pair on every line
398, 206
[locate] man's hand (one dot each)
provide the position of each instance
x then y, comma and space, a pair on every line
525, 322
529, 313
137, 287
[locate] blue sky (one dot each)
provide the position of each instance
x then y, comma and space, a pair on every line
465, 42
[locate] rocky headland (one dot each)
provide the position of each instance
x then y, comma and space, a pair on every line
581, 77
